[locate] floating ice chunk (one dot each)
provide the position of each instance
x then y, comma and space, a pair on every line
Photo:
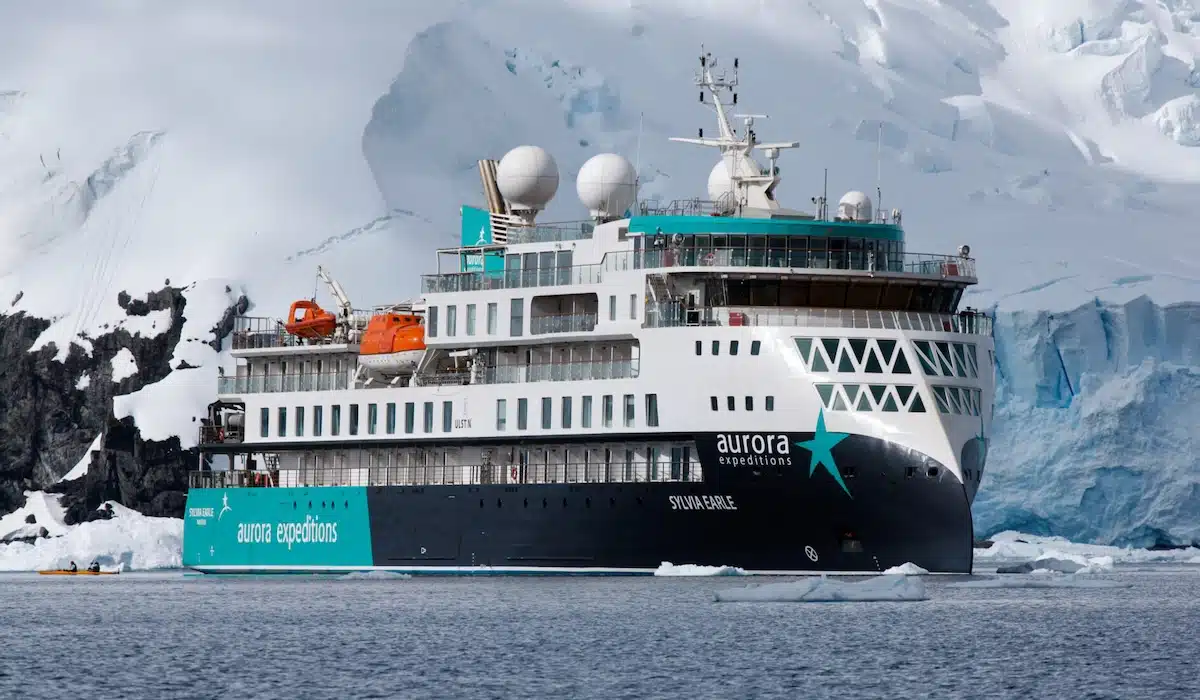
375, 575
669, 569
822, 590
906, 569
1042, 580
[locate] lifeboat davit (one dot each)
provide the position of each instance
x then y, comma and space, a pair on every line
314, 322
392, 343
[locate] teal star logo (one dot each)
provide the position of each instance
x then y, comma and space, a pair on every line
821, 448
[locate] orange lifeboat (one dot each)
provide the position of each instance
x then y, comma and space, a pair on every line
315, 322
392, 343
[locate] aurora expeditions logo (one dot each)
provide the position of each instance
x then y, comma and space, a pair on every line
311, 531
753, 450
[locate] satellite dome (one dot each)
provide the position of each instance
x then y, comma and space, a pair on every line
854, 206
527, 177
607, 185
720, 185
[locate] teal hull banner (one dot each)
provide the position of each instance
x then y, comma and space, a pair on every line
277, 529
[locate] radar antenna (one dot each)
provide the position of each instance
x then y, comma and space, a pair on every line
752, 187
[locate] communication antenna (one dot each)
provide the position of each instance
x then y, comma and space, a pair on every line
879, 172
825, 197
637, 158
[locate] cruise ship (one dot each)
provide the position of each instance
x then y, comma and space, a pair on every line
717, 381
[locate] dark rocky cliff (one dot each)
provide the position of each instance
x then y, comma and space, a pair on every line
47, 422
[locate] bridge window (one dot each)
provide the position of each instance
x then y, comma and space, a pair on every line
431, 326
354, 419
501, 414
447, 416
410, 417
586, 419
335, 419
522, 414
282, 427
318, 412
264, 422
299, 421
652, 410
372, 417
390, 419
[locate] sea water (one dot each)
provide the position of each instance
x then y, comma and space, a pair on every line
168, 635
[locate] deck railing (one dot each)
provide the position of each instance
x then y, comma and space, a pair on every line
260, 332
551, 233
473, 474
672, 315
778, 259
277, 383
562, 323
511, 279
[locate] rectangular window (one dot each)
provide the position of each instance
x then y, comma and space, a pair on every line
699, 347
652, 410
354, 419
522, 414
612, 307
547, 412
716, 347
491, 318
427, 423
372, 417
501, 414
606, 411
282, 421
566, 412
755, 346
586, 418
470, 319
335, 420
770, 403
451, 321
633, 306
731, 403
447, 416
516, 317
410, 417
264, 422
733, 346
317, 419
749, 403
628, 417
431, 322
390, 419
299, 421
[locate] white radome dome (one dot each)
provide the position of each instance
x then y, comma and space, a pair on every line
854, 206
607, 185
527, 177
720, 185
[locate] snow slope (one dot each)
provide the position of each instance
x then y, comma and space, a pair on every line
1058, 140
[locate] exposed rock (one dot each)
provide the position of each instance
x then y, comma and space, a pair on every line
31, 519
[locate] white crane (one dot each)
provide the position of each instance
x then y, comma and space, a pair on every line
347, 321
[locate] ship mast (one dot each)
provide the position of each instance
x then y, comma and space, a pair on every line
752, 188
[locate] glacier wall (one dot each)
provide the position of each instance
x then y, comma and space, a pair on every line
1095, 427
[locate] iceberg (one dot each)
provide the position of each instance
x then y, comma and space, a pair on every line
827, 590
669, 569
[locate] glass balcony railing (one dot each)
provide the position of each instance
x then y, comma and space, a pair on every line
672, 315
551, 233
561, 372
278, 383
860, 261
511, 279
562, 323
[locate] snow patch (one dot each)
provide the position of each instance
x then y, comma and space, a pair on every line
81, 468
669, 569
1179, 120
123, 365
826, 590
906, 569
46, 512
84, 382
128, 541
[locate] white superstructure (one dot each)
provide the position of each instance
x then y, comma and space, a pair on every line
597, 350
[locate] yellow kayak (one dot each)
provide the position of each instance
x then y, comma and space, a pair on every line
81, 572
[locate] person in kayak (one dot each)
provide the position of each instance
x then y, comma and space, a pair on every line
94, 567
73, 568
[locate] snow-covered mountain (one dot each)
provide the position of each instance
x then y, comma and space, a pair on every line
225, 149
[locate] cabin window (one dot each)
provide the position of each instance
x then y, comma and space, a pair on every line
770, 403
318, 412
264, 422
451, 321
501, 414
547, 412
733, 347
585, 420
564, 266
652, 410
427, 423
282, 421
410, 417
335, 419
606, 411
712, 401
716, 347
391, 419
612, 307
299, 421
699, 347
749, 403
372, 417
731, 403
628, 415
431, 327
633, 306
447, 416
470, 319
522, 414
516, 317
491, 318
566, 412
755, 346
354, 419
